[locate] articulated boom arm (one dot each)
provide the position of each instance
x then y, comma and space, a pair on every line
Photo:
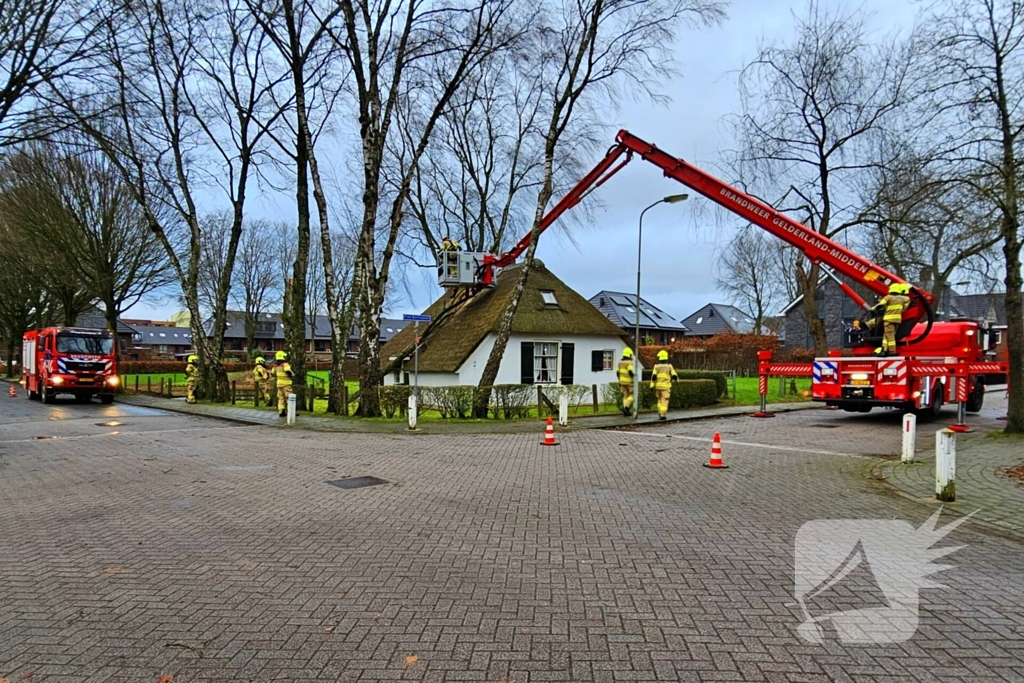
816, 247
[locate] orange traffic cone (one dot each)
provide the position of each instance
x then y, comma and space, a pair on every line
549, 435
13, 392
715, 462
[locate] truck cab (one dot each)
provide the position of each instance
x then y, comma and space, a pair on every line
69, 360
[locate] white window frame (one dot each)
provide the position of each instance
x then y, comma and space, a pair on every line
553, 372
548, 297
608, 360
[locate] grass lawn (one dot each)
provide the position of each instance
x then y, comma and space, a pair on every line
747, 394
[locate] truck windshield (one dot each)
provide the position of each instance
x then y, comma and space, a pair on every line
94, 346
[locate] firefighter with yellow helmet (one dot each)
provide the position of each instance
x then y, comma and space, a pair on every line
260, 375
661, 381
191, 377
890, 308
625, 373
283, 373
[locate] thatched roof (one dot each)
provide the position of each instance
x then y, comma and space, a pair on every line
451, 343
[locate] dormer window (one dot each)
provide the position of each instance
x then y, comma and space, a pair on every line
549, 297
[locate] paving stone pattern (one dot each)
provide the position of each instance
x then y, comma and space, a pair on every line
189, 548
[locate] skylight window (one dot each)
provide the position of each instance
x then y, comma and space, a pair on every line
549, 297
700, 320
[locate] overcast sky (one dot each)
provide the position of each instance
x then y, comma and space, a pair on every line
679, 248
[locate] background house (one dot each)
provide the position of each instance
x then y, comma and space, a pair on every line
160, 342
712, 319
269, 335
558, 337
655, 324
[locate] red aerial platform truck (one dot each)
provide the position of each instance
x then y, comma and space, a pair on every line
69, 360
937, 362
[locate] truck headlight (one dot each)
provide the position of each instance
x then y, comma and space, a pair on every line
862, 376
57, 381
113, 381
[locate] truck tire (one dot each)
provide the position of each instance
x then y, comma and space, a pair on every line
48, 396
935, 409
977, 398
106, 399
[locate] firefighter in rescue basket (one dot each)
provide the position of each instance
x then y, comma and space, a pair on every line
890, 309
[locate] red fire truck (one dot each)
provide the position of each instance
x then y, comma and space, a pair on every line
69, 360
937, 362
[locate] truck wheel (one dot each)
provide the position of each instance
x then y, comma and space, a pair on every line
977, 398
47, 395
106, 399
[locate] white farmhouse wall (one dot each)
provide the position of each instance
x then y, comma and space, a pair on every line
509, 372
427, 379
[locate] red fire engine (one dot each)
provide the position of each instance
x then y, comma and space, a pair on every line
938, 362
69, 360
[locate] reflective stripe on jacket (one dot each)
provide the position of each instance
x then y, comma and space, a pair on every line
894, 305
283, 373
625, 371
662, 376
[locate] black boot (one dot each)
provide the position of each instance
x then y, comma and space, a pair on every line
283, 413
662, 417
626, 411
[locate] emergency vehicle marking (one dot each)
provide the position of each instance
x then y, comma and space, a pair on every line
820, 365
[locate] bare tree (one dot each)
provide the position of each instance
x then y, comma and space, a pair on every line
474, 180
103, 234
921, 221
811, 110
302, 33
180, 102
257, 285
400, 51
32, 209
41, 41
747, 273
585, 50
977, 68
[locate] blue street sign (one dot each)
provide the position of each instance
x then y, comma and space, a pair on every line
416, 318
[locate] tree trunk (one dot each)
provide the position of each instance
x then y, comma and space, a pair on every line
250, 338
808, 280
369, 357
1014, 326
110, 314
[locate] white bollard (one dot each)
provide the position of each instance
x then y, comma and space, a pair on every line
563, 409
291, 409
909, 437
412, 411
945, 465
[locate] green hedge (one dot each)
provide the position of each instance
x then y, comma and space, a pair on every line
719, 378
686, 393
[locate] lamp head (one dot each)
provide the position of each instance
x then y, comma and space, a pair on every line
675, 198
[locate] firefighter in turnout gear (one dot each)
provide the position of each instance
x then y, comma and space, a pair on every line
191, 376
661, 381
260, 375
890, 308
283, 373
451, 262
625, 372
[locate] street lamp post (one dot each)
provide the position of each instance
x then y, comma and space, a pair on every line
671, 199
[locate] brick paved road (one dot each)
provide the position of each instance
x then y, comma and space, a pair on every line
208, 552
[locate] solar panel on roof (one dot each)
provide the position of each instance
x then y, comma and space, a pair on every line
618, 300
